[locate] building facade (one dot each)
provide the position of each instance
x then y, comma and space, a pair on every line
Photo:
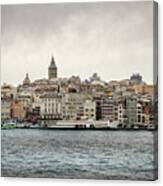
72, 106
131, 110
51, 106
89, 109
6, 108
19, 110
107, 108
121, 113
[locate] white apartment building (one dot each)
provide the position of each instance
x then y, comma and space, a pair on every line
89, 109
51, 106
121, 112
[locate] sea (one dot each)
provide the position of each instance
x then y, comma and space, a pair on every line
79, 154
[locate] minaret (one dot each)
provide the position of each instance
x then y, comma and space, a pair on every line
26, 80
52, 70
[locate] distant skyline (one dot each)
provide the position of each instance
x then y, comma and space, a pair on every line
113, 39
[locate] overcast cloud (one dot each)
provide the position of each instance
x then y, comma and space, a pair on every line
112, 39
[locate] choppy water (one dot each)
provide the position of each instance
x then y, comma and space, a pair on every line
78, 154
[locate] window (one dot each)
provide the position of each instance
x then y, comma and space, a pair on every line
143, 119
139, 118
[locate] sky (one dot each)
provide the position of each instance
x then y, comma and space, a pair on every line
113, 39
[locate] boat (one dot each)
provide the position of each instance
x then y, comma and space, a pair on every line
82, 124
9, 125
151, 127
34, 126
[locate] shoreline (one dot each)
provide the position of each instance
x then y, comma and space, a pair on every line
84, 129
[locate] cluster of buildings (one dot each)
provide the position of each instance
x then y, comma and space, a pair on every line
128, 101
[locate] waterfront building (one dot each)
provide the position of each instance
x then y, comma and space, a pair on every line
140, 115
34, 113
131, 110
51, 106
89, 109
5, 108
72, 106
19, 110
25, 100
52, 70
98, 100
25, 97
107, 108
145, 112
121, 113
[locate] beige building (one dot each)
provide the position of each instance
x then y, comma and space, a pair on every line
8, 91
72, 106
144, 89
19, 110
5, 109
89, 109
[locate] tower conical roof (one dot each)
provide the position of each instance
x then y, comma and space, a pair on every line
52, 63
